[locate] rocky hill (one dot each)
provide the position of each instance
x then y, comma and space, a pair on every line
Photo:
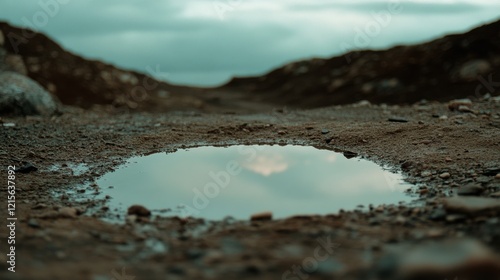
455, 66
77, 81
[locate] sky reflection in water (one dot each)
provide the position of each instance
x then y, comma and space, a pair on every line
237, 181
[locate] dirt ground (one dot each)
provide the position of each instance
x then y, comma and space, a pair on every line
59, 233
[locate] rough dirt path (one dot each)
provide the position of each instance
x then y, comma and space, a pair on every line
53, 242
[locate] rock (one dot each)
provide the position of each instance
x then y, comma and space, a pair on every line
497, 176
398, 119
438, 260
2, 39
325, 131
349, 155
68, 212
20, 95
470, 189
445, 175
33, 223
455, 104
495, 195
264, 216
426, 173
471, 205
465, 109
15, 63
139, 211
471, 69
438, 215
27, 168
494, 171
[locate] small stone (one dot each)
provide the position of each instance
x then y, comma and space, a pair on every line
455, 218
448, 159
349, 155
471, 205
469, 258
470, 189
497, 176
27, 168
398, 119
495, 195
264, 216
33, 223
138, 210
131, 219
325, 131
465, 109
438, 214
68, 212
281, 132
445, 175
426, 173
455, 104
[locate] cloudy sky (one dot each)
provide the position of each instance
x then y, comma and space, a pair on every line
205, 42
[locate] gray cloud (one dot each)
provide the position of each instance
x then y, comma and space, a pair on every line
409, 8
187, 39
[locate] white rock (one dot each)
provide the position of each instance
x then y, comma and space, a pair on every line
471, 69
19, 95
455, 104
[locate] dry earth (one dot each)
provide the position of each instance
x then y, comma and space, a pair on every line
60, 235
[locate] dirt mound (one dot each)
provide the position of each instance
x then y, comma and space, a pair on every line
80, 82
455, 66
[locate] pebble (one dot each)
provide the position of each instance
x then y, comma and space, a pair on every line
445, 175
465, 109
426, 173
448, 159
138, 210
349, 155
68, 212
495, 195
440, 259
325, 131
470, 189
33, 223
264, 216
470, 205
27, 168
398, 119
455, 104
497, 176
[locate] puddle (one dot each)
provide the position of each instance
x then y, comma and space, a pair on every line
238, 181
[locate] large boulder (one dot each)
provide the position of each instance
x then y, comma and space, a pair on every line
21, 96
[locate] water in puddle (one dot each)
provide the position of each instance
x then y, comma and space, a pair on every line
238, 181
